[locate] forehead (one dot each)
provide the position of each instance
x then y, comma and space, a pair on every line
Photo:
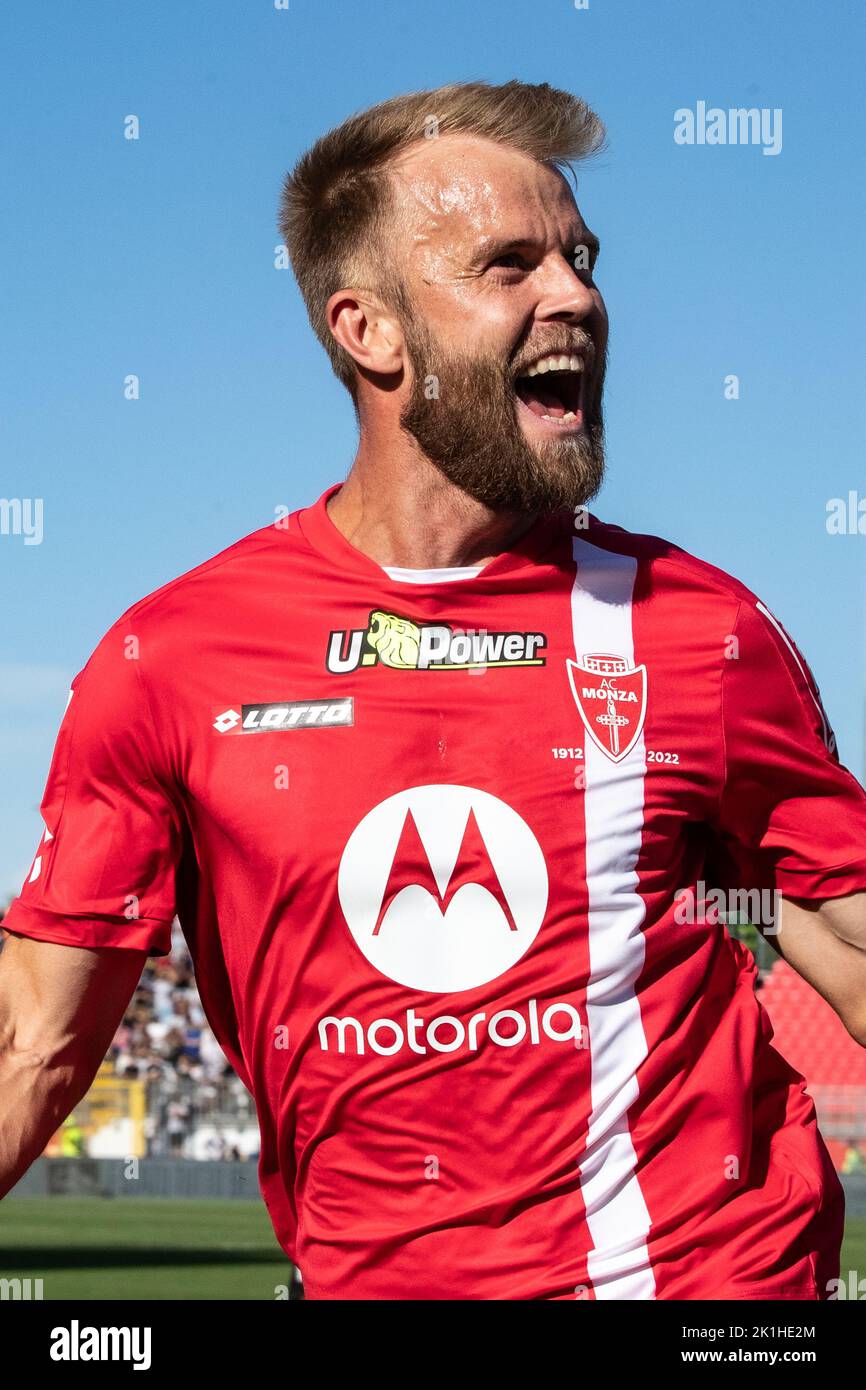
460, 189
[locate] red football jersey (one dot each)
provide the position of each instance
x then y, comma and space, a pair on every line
442, 844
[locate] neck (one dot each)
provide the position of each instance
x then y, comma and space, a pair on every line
398, 509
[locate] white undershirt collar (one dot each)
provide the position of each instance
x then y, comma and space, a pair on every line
434, 576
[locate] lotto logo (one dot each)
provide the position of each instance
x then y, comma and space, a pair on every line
288, 714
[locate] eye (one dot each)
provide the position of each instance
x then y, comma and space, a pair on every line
512, 260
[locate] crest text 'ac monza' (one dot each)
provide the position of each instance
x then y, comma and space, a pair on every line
611, 698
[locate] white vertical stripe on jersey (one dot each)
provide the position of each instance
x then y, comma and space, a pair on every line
619, 1267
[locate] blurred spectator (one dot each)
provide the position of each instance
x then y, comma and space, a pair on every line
73, 1143
164, 1040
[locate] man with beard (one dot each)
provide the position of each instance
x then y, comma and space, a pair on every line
434, 772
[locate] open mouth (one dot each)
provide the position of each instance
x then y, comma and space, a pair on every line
552, 389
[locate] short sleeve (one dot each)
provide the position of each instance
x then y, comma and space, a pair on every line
790, 815
104, 871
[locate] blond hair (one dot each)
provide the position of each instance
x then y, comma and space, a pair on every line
334, 204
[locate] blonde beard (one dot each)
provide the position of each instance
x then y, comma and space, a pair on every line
469, 430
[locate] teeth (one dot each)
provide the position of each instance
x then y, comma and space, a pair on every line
560, 419
554, 363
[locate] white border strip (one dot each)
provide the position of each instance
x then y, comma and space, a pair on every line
619, 1264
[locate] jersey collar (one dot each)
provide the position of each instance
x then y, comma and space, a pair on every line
320, 532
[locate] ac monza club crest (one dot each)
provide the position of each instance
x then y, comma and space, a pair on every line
443, 887
611, 697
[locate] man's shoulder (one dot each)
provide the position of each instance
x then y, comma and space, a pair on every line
662, 564
206, 595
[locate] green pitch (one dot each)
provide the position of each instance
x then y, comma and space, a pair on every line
102, 1248
97, 1248
854, 1246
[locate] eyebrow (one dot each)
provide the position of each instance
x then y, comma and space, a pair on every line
491, 250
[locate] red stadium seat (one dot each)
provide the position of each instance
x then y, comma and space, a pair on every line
810, 1036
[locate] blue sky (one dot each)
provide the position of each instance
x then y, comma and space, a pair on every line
156, 257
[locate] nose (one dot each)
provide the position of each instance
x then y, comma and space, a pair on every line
566, 297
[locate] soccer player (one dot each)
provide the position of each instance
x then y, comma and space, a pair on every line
443, 777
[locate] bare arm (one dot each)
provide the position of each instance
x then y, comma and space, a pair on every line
826, 944
59, 1009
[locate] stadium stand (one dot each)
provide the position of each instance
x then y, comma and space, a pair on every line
165, 1088
196, 1106
809, 1035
